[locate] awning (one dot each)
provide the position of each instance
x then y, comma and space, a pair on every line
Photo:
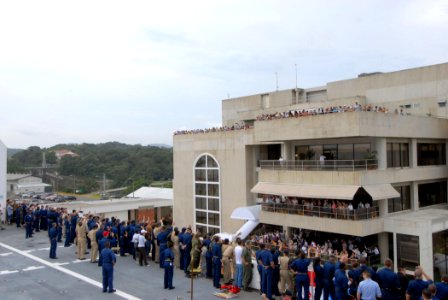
246, 229
247, 213
315, 191
381, 191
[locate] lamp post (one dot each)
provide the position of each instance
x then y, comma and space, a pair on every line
74, 184
130, 180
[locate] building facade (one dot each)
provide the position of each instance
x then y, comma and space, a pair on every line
376, 144
26, 183
3, 161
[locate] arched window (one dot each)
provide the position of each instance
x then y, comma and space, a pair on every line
207, 207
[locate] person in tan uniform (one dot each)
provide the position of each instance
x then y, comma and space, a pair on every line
93, 244
175, 240
156, 232
227, 256
81, 233
285, 275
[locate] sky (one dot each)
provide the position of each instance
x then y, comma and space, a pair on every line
136, 71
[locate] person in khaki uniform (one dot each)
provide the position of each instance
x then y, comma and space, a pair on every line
156, 232
227, 255
81, 233
93, 244
247, 266
285, 275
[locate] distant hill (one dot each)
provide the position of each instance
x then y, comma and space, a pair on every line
12, 151
160, 145
119, 162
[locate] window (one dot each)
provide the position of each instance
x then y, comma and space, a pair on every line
408, 253
330, 152
397, 155
432, 193
401, 203
430, 154
207, 195
361, 150
345, 152
440, 250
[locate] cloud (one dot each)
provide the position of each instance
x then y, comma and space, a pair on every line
135, 72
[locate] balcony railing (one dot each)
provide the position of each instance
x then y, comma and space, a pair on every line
323, 212
318, 165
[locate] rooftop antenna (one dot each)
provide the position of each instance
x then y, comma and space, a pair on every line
296, 74
276, 81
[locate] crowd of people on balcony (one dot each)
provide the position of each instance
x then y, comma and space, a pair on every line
236, 126
320, 207
322, 111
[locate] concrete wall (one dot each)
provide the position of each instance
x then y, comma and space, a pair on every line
229, 149
352, 124
420, 89
3, 162
423, 86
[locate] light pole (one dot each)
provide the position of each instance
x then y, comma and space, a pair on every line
74, 184
130, 180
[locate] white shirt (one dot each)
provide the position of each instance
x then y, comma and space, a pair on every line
238, 252
135, 237
141, 241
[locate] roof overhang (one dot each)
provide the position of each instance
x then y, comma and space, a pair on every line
381, 191
320, 191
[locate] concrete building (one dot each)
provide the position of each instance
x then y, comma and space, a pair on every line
3, 162
26, 183
378, 139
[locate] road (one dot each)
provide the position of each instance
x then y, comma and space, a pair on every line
26, 272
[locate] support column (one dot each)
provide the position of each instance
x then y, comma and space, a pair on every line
414, 196
287, 151
426, 251
395, 258
382, 204
381, 149
413, 154
287, 230
383, 245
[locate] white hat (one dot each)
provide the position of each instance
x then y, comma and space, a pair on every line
143, 231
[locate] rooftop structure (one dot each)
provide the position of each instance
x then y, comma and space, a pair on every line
363, 157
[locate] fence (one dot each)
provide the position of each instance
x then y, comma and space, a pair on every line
323, 212
318, 165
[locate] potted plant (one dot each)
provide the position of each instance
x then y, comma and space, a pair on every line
371, 160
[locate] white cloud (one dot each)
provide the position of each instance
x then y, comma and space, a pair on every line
134, 72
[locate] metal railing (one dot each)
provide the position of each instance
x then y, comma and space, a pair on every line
318, 165
323, 212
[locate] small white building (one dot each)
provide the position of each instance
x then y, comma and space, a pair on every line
3, 161
26, 183
154, 204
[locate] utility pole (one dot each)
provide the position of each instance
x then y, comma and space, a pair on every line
276, 81
297, 89
104, 183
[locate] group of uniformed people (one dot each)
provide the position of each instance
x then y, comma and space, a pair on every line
333, 280
279, 272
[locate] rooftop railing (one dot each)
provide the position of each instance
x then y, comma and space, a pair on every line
323, 212
319, 165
